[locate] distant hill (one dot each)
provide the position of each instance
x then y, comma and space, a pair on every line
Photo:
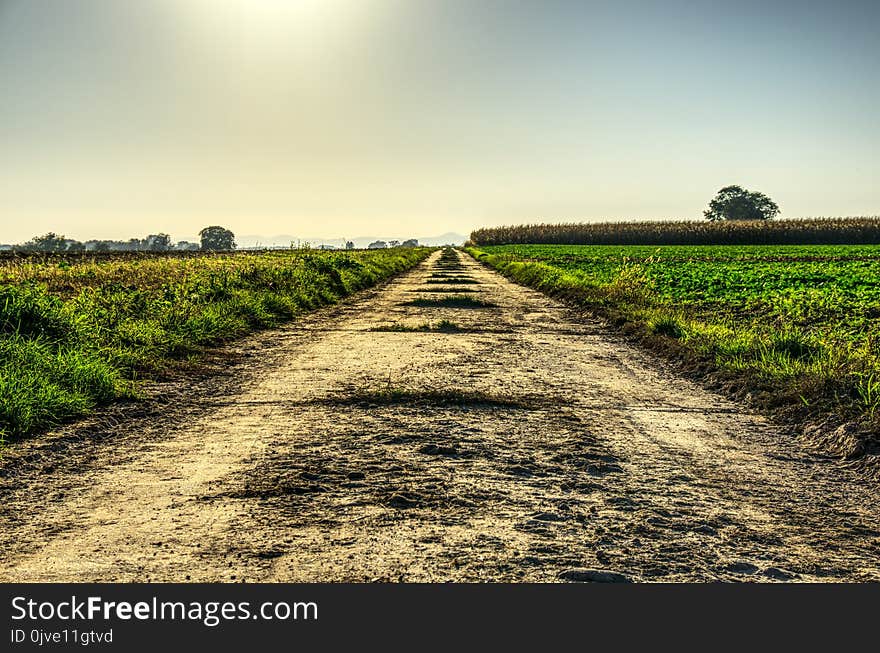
284, 240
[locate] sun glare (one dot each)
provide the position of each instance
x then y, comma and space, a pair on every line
268, 26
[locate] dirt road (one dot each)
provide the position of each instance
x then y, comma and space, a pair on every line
532, 446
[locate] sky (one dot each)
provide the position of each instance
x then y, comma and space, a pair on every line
342, 118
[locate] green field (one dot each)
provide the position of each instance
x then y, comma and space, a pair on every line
800, 322
78, 331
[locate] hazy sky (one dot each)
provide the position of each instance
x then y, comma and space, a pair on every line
350, 117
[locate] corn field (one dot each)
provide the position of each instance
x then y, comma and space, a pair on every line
808, 231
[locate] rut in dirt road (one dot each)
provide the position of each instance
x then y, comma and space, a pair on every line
449, 425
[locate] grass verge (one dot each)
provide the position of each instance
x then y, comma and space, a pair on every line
77, 335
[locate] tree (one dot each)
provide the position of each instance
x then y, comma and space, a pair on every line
217, 238
349, 244
737, 203
412, 242
50, 242
394, 243
158, 242
377, 244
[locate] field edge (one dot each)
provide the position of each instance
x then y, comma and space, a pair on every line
134, 385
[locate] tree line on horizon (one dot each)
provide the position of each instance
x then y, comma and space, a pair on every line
213, 238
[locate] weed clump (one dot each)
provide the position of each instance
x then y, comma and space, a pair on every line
666, 325
450, 301
451, 279
443, 326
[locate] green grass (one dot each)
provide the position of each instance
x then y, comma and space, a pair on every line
449, 301
405, 396
448, 256
800, 323
76, 334
446, 289
443, 326
451, 279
